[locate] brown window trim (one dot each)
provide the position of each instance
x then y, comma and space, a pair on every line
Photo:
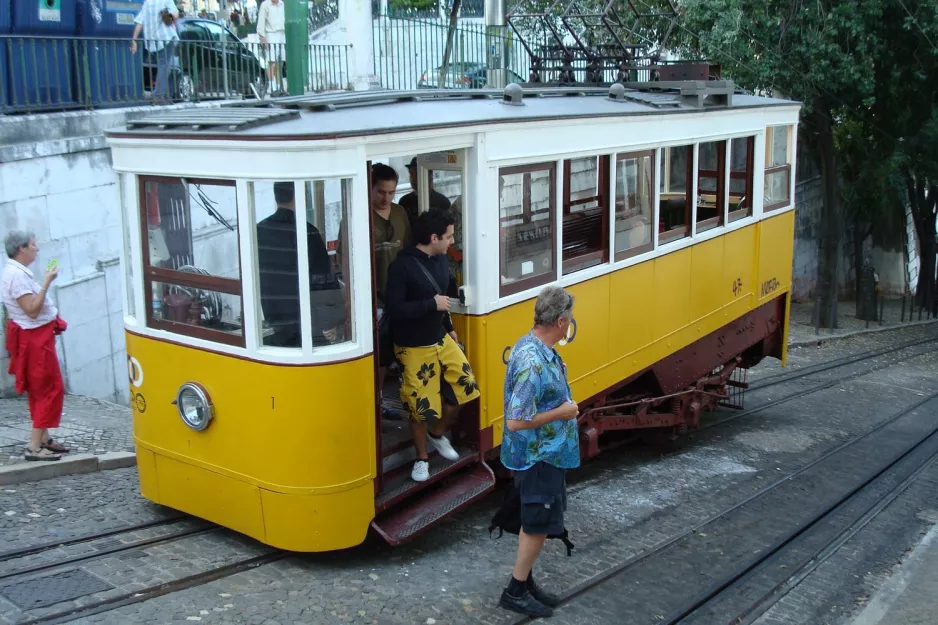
182, 278
669, 236
719, 174
788, 200
655, 209
505, 290
748, 176
585, 260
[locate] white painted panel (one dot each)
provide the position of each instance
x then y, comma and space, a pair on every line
93, 379
78, 212
82, 301
86, 343
55, 174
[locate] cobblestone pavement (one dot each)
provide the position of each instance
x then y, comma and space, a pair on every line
88, 426
620, 504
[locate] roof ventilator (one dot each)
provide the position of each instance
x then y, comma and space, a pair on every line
720, 92
514, 95
617, 92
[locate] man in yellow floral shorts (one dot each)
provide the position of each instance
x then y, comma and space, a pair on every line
437, 379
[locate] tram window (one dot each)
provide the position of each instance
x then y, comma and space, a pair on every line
585, 212
527, 198
192, 267
711, 191
741, 167
327, 203
449, 184
635, 193
674, 212
777, 168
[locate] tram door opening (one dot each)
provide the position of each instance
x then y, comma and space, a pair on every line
425, 181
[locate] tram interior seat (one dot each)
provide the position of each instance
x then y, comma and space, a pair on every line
583, 232
672, 213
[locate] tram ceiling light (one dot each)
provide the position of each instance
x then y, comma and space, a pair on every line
194, 406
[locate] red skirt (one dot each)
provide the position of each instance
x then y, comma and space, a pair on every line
35, 365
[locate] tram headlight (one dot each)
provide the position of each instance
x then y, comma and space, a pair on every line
194, 406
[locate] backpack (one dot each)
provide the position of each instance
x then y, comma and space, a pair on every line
508, 519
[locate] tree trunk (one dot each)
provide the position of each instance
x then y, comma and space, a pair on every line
832, 225
453, 17
861, 288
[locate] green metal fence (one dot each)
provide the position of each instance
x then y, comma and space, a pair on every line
58, 73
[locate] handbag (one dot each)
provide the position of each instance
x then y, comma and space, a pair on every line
508, 519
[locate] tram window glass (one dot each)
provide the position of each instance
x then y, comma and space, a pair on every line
711, 192
741, 167
674, 212
635, 193
450, 184
777, 168
192, 266
128, 193
585, 212
327, 204
527, 198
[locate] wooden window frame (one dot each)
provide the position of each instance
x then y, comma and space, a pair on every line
647, 247
669, 236
719, 174
748, 176
787, 201
152, 274
518, 286
585, 261
773, 169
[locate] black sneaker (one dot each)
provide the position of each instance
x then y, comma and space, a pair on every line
525, 604
551, 601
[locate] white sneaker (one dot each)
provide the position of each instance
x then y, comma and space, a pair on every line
444, 448
421, 472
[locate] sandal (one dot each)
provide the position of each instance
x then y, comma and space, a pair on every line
41, 454
58, 448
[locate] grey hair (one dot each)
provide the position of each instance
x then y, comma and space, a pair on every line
552, 303
15, 240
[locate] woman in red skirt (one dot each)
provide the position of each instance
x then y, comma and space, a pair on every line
32, 324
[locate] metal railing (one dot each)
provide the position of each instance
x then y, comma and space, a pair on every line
409, 52
39, 73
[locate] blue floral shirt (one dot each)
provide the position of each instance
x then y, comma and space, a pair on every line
536, 381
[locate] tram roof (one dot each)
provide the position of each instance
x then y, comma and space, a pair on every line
378, 112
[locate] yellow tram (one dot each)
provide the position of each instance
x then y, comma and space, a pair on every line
665, 208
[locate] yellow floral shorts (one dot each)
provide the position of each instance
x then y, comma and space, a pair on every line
425, 371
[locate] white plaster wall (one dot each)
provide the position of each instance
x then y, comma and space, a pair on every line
70, 202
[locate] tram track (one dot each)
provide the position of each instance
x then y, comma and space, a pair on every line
820, 368
659, 562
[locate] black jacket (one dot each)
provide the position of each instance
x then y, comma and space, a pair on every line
279, 274
415, 321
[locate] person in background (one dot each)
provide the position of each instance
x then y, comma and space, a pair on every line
278, 266
271, 30
160, 41
409, 201
540, 443
437, 378
32, 325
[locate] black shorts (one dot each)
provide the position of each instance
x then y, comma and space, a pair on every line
543, 490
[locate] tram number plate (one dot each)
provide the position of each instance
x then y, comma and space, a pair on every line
769, 286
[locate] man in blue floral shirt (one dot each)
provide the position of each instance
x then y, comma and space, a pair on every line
540, 443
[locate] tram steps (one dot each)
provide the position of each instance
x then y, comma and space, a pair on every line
418, 514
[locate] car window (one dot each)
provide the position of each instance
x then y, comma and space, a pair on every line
219, 33
194, 32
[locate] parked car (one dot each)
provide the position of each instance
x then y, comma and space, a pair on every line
206, 53
461, 76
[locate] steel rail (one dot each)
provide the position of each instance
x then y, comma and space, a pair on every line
32, 549
661, 547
